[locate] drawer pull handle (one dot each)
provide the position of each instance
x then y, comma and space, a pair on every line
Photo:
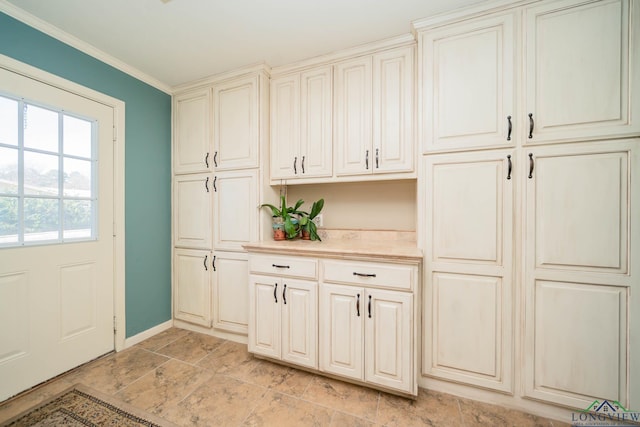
530, 126
363, 274
510, 166
275, 295
302, 164
369, 307
215, 159
206, 184
284, 295
295, 170
510, 128
377, 155
358, 306
213, 263
530, 165
366, 160
280, 266
206, 257
206, 160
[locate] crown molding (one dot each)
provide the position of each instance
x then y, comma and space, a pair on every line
82, 46
260, 67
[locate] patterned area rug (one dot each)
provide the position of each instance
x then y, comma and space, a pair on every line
82, 406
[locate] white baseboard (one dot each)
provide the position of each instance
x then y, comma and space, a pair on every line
138, 338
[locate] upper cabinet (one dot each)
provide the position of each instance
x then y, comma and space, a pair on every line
192, 132
236, 129
374, 109
301, 124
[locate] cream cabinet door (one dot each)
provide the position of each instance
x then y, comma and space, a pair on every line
264, 315
393, 111
316, 110
236, 210
285, 126
580, 262
581, 71
192, 132
342, 311
468, 83
353, 111
389, 339
230, 274
236, 123
468, 268
299, 304
192, 210
192, 286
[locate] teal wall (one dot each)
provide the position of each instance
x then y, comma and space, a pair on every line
147, 164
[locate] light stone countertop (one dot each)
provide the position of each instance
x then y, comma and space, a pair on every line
348, 244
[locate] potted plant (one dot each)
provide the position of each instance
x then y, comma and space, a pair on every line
285, 226
309, 228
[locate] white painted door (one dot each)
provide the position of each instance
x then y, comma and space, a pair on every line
56, 267
579, 82
389, 339
468, 209
192, 132
264, 315
580, 212
285, 126
342, 311
230, 291
469, 85
236, 124
393, 111
299, 306
192, 286
316, 109
192, 210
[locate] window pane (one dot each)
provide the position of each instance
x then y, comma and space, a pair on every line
40, 174
40, 128
8, 220
8, 170
41, 219
77, 219
76, 137
8, 121
77, 178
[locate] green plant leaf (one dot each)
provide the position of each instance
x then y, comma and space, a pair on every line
313, 231
316, 208
274, 211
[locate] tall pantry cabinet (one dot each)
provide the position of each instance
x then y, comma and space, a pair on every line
220, 133
530, 195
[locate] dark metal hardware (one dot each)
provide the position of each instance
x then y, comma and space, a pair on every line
510, 166
295, 170
366, 160
215, 178
363, 274
284, 295
213, 263
275, 295
369, 307
530, 165
205, 262
215, 159
206, 160
377, 152
358, 305
510, 128
302, 164
530, 125
206, 184
279, 266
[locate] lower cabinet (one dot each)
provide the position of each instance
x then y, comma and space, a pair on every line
230, 291
192, 286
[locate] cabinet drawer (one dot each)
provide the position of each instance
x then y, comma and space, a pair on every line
282, 265
369, 274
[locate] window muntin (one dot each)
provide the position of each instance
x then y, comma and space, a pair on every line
48, 174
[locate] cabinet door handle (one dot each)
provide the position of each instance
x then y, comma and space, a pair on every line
284, 295
275, 293
530, 165
279, 266
377, 152
206, 184
358, 305
215, 178
295, 169
302, 164
363, 274
366, 160
215, 159
206, 257
369, 307
531, 125
213, 263
206, 160
509, 128
510, 166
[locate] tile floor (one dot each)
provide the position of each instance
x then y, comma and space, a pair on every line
193, 379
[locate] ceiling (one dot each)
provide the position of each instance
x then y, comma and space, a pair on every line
178, 41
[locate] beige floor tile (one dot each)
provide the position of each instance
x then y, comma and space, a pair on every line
352, 399
162, 339
277, 409
230, 358
340, 419
113, 373
430, 408
483, 414
221, 401
280, 378
165, 386
192, 347
12, 407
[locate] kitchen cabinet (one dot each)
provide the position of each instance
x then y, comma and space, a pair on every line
230, 285
374, 101
283, 309
192, 286
192, 132
468, 284
192, 211
301, 124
